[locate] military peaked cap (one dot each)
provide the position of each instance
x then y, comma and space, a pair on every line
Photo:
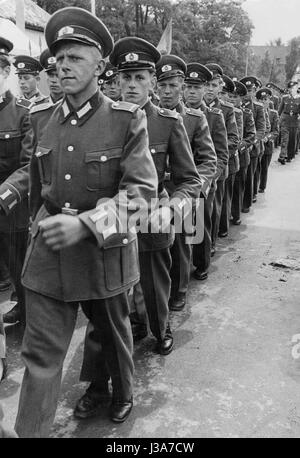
240, 88
291, 84
170, 66
78, 25
263, 93
5, 46
249, 81
47, 61
216, 70
133, 53
228, 84
27, 65
197, 73
109, 73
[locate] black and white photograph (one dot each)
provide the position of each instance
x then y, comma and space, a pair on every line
149, 222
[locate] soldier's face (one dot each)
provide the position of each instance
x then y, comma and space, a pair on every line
28, 84
78, 67
136, 85
235, 100
53, 83
170, 91
194, 93
213, 89
4, 73
112, 89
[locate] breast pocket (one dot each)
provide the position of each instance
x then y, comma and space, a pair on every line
159, 155
10, 147
103, 168
44, 159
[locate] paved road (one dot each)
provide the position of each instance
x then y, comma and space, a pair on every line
233, 372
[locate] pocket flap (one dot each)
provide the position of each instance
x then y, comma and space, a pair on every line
103, 156
42, 151
7, 135
158, 148
119, 240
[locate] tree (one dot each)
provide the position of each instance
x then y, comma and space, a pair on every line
265, 67
293, 59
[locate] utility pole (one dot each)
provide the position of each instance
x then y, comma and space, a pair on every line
20, 14
93, 7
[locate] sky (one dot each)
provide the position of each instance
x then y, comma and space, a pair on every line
273, 19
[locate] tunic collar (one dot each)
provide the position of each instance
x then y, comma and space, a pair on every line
84, 112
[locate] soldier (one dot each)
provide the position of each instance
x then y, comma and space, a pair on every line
110, 86
15, 137
234, 162
48, 62
81, 248
170, 72
28, 70
212, 99
274, 98
257, 109
247, 138
289, 112
196, 81
263, 95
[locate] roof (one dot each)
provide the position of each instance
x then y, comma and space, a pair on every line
275, 52
35, 17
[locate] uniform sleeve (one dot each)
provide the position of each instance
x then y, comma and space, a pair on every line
219, 136
268, 124
182, 166
260, 123
16, 187
139, 182
249, 130
204, 154
281, 107
232, 132
275, 126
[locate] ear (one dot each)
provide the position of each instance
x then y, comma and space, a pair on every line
38, 79
153, 81
100, 67
7, 70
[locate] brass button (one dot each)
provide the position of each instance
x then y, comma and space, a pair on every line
103, 158
70, 148
125, 241
68, 177
74, 122
67, 205
7, 136
153, 150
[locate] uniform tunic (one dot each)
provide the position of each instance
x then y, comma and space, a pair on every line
289, 112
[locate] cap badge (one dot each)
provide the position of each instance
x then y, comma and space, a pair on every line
66, 31
194, 75
263, 94
51, 60
166, 68
109, 73
21, 65
131, 57
248, 83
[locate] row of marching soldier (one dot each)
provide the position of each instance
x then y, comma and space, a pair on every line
158, 129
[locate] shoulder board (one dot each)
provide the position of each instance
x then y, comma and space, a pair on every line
41, 107
214, 110
226, 104
194, 112
237, 110
125, 106
247, 110
24, 103
168, 113
255, 102
273, 111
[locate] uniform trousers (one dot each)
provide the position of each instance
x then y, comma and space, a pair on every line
256, 177
217, 209
202, 251
226, 204
13, 247
156, 285
288, 141
181, 253
248, 194
48, 332
238, 193
265, 162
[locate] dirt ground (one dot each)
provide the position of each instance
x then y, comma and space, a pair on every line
235, 368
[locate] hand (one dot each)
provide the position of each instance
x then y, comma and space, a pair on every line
160, 220
62, 231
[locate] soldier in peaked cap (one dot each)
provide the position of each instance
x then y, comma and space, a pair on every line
274, 97
212, 99
250, 102
197, 77
81, 251
247, 138
28, 70
110, 84
289, 112
234, 163
171, 72
15, 138
264, 95
48, 62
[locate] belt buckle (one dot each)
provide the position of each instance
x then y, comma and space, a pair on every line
69, 211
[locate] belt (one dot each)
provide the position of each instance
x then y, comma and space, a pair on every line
55, 210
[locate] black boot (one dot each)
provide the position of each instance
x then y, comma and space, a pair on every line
92, 402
